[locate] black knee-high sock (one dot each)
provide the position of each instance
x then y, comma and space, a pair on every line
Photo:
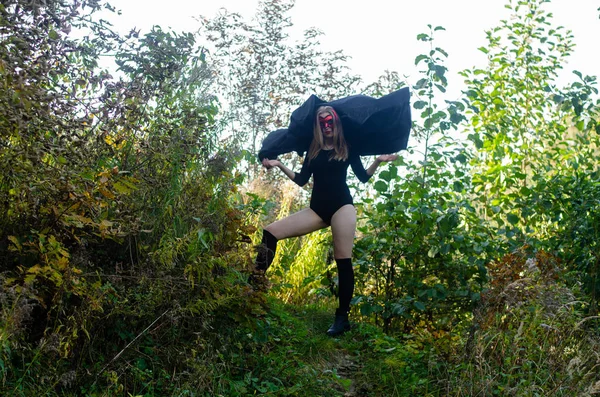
346, 283
266, 251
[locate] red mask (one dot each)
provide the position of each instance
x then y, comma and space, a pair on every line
326, 122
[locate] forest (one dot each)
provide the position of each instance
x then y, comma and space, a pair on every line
133, 200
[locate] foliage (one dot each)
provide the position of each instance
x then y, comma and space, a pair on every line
117, 224
125, 228
570, 202
423, 248
536, 145
528, 337
262, 74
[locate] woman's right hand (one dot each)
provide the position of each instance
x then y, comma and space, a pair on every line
268, 164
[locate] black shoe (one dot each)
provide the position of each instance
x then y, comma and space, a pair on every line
340, 324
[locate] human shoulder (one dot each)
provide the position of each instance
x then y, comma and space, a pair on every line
353, 154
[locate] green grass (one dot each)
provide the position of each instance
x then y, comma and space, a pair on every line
278, 349
296, 357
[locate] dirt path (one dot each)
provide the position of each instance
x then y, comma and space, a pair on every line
345, 370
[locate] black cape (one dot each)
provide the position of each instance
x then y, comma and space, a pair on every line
371, 125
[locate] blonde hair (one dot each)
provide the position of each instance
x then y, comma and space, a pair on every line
340, 147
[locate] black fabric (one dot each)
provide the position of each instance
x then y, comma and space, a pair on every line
345, 283
330, 190
371, 125
266, 251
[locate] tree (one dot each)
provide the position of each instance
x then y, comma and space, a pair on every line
262, 75
115, 203
536, 164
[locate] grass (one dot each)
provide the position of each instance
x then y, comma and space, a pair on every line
282, 350
363, 361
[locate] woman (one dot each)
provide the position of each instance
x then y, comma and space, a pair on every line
331, 204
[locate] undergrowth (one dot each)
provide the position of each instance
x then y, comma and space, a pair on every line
126, 232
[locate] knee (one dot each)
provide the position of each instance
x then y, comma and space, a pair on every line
269, 228
272, 230
339, 254
343, 250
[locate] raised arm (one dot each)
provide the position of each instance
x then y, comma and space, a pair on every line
359, 169
299, 178
364, 175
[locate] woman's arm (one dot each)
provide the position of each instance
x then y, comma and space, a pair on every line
381, 159
300, 178
364, 175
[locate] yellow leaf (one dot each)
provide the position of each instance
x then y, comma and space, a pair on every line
34, 270
77, 220
30, 278
15, 241
122, 188
62, 263
107, 193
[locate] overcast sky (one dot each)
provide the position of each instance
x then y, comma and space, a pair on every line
381, 34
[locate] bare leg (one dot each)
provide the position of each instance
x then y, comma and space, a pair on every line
343, 227
297, 224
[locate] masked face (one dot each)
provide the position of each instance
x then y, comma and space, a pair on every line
326, 123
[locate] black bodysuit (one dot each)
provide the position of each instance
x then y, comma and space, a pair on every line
330, 191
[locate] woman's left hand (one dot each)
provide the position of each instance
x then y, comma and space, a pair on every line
387, 157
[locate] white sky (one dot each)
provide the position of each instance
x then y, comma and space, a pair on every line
381, 34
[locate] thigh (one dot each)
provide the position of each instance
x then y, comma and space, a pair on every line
297, 224
343, 227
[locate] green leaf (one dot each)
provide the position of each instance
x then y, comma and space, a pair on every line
366, 309
381, 186
385, 175
433, 252
442, 51
512, 218
440, 70
419, 58
419, 104
420, 306
393, 171
421, 83
53, 35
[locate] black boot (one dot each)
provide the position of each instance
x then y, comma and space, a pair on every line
340, 324
264, 256
265, 252
258, 280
